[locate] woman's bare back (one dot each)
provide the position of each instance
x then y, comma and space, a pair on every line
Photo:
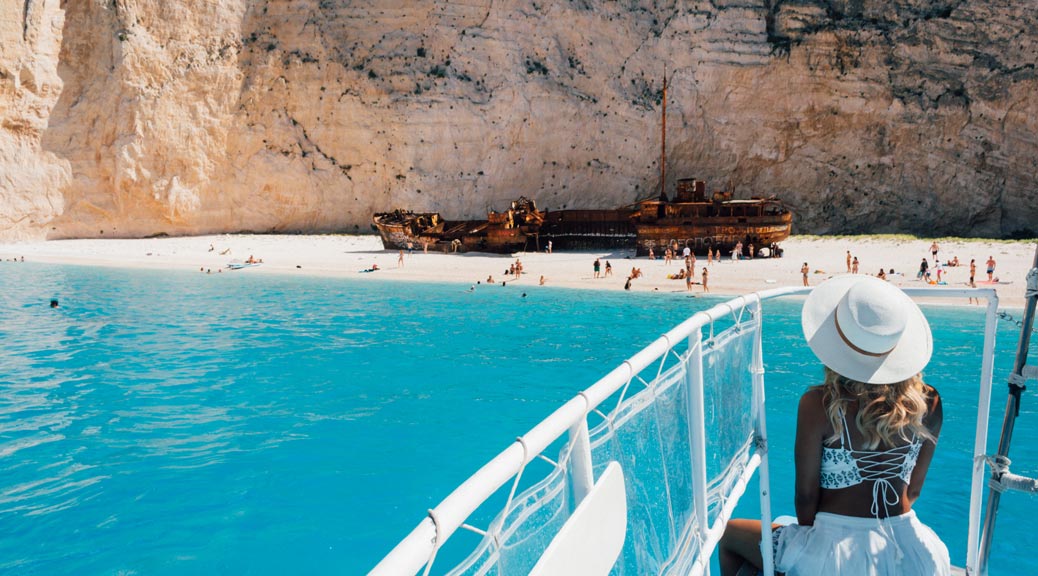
857, 500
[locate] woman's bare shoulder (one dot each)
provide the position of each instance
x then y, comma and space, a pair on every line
934, 409
933, 398
813, 394
813, 402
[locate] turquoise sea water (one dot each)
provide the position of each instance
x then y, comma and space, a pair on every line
171, 423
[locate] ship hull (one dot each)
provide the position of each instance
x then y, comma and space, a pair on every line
588, 230
456, 236
713, 234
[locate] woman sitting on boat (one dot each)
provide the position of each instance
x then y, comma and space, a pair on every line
864, 442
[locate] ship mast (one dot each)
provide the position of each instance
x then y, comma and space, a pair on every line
663, 145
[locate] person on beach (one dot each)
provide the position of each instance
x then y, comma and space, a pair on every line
549, 246
688, 282
924, 267
608, 269
939, 269
848, 261
854, 265
751, 251
933, 250
212, 248
706, 276
490, 279
652, 255
667, 256
882, 275
991, 267
865, 438
804, 270
542, 280
627, 285
709, 256
686, 252
972, 283
598, 267
400, 260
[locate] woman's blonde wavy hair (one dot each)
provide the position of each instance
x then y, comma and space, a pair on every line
886, 412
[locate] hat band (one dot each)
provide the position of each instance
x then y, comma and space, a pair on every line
836, 321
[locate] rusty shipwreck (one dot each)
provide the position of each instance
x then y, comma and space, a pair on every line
690, 219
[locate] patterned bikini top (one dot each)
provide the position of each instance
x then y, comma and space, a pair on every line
844, 467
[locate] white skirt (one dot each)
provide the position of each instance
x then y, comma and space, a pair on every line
851, 546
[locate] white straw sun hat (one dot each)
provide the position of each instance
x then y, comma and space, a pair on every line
866, 329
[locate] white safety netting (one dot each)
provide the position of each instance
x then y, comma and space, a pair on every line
649, 433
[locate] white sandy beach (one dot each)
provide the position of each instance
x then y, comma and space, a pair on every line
346, 256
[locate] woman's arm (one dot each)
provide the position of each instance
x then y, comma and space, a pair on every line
934, 419
811, 426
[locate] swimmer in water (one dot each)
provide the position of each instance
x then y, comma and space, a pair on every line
53, 303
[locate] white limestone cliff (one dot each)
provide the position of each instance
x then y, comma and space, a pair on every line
144, 117
31, 179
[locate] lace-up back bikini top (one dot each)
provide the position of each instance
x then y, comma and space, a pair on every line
843, 467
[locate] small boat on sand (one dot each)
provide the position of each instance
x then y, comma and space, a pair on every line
241, 265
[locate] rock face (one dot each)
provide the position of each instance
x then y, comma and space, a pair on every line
143, 117
32, 180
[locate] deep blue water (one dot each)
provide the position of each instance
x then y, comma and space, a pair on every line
170, 423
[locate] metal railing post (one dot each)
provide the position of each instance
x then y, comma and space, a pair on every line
980, 441
760, 430
697, 432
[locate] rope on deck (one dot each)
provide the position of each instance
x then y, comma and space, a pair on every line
1006, 479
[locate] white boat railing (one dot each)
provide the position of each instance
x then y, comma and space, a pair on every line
418, 549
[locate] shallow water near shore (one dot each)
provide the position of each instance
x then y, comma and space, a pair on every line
168, 423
